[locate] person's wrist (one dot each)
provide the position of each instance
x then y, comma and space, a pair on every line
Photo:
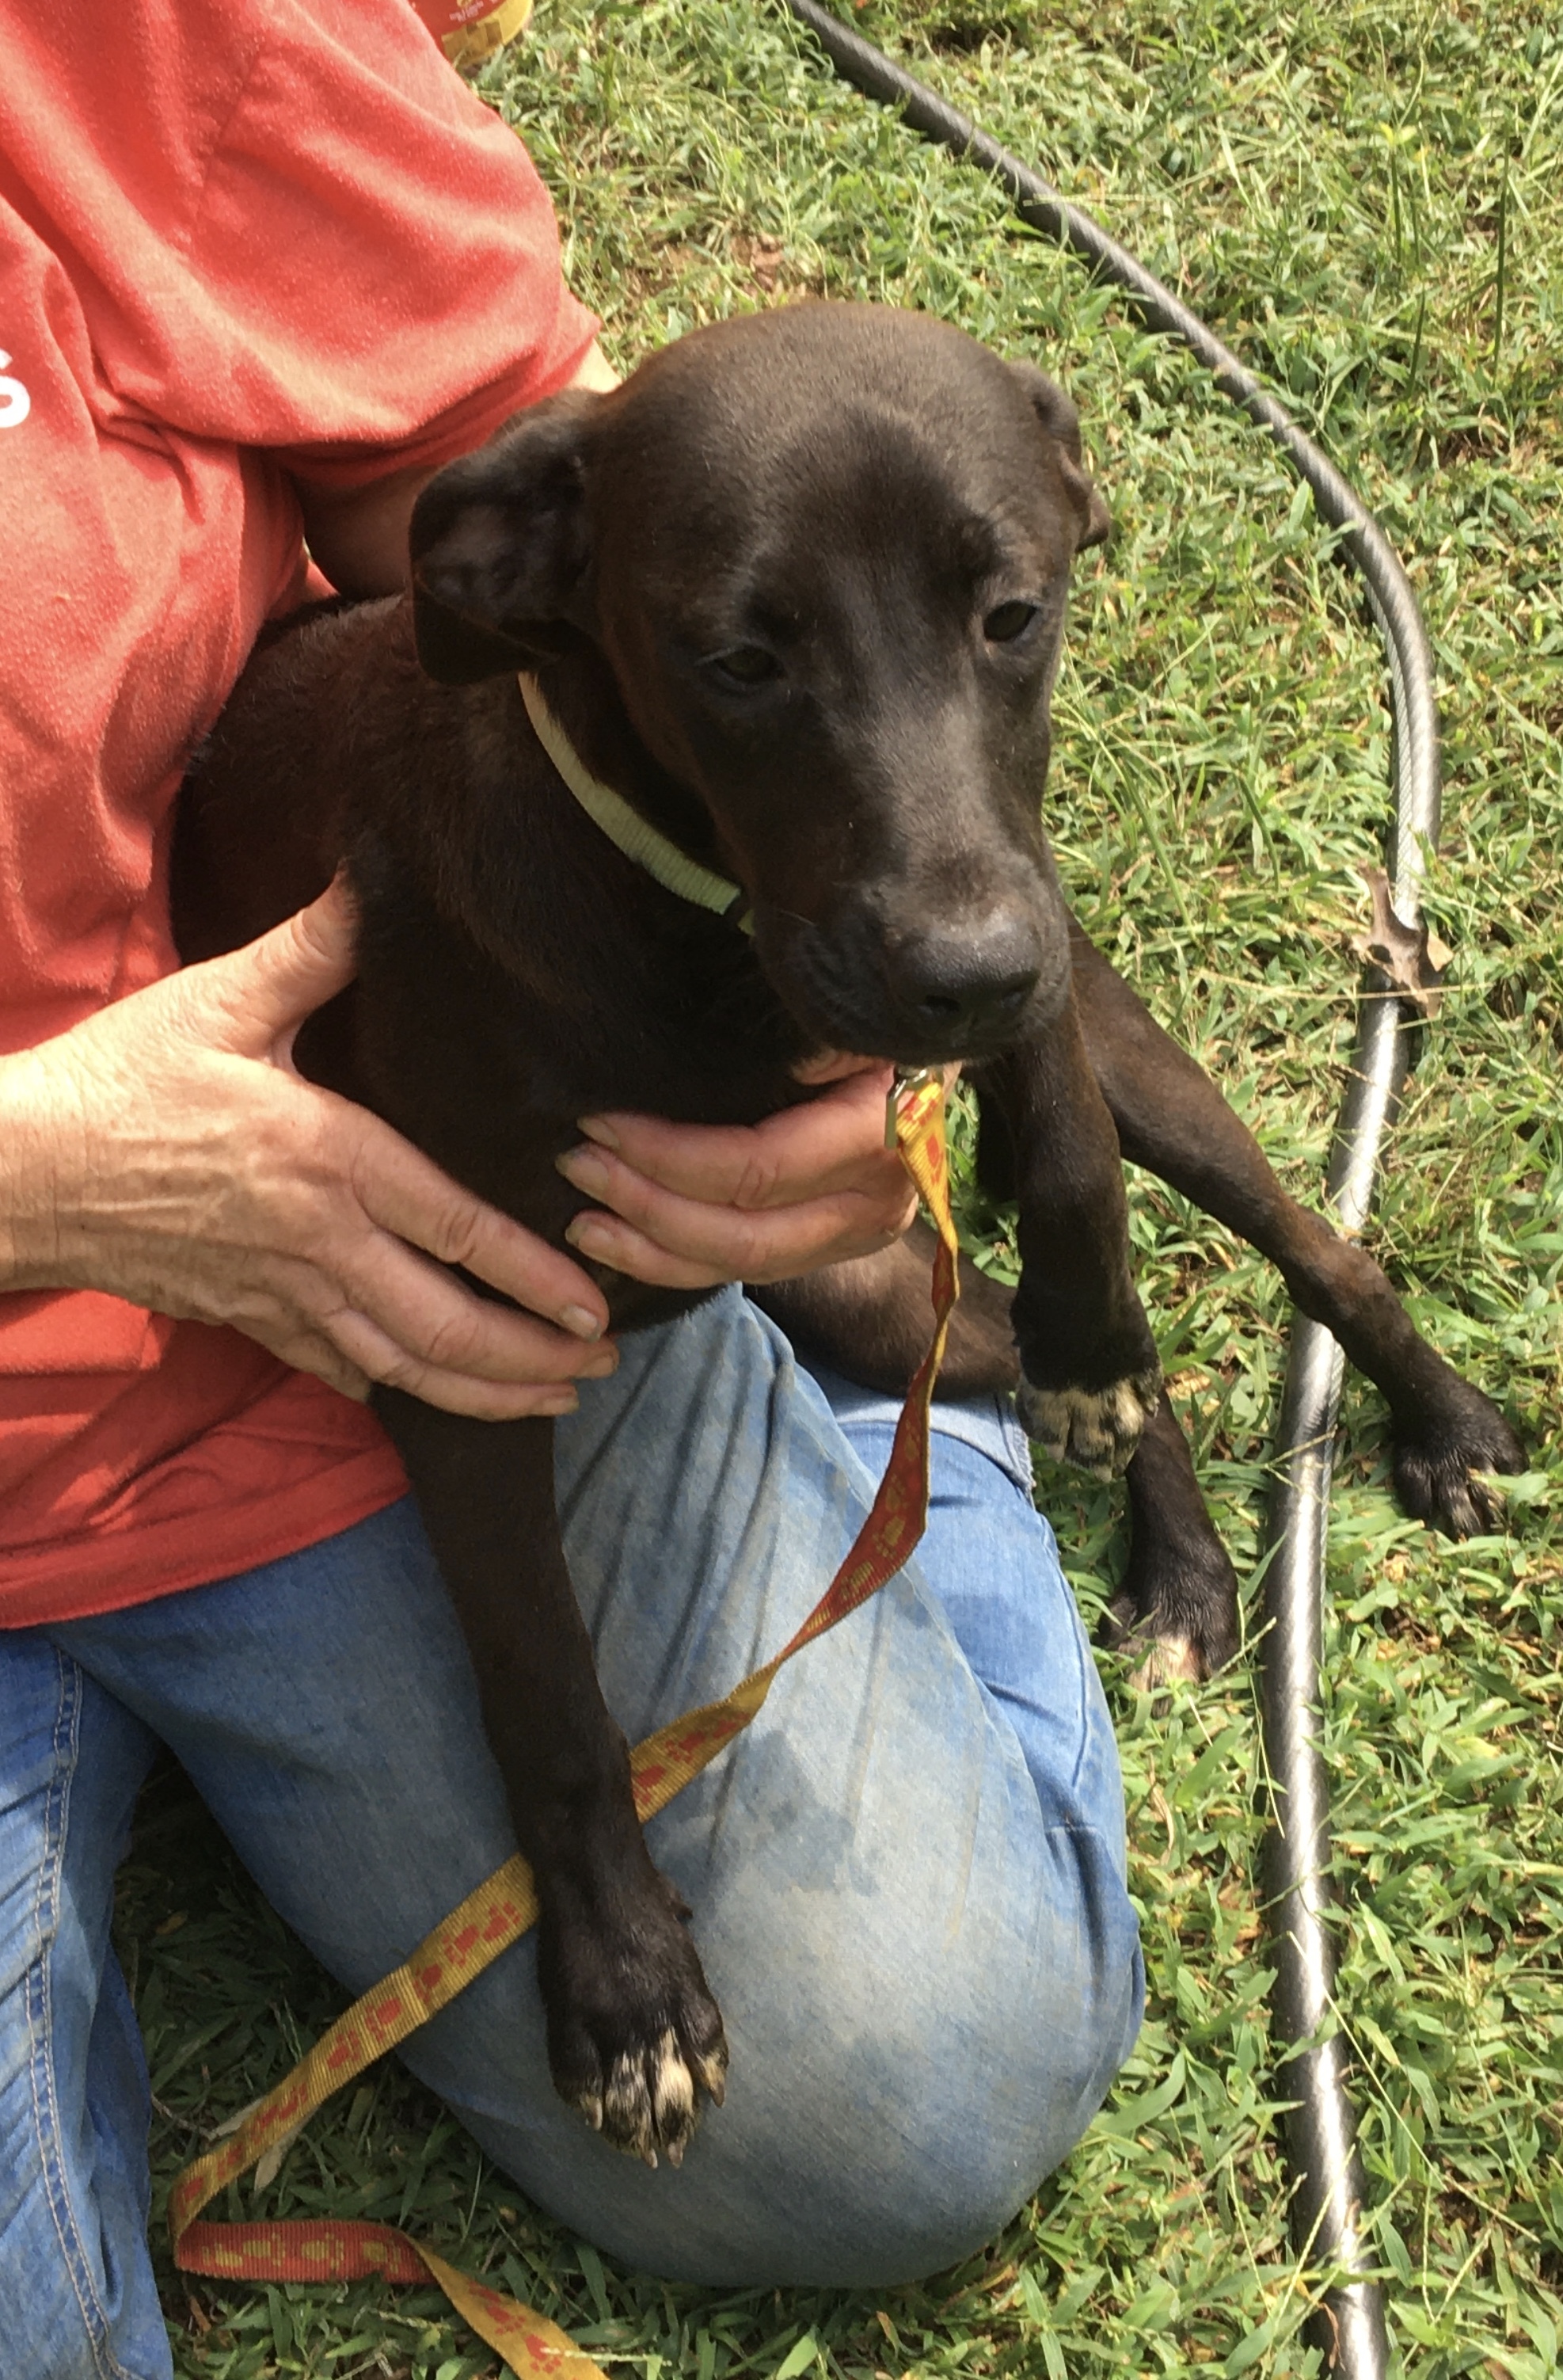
594, 371
32, 1131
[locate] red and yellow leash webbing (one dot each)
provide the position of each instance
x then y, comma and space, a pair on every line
489, 1920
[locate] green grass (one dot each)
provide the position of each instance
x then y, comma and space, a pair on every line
1327, 183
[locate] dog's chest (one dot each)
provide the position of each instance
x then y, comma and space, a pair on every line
489, 1068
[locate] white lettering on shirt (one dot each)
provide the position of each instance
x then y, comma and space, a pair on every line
15, 402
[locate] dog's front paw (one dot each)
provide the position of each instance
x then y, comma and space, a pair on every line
634, 2035
1438, 1470
1097, 1429
646, 2098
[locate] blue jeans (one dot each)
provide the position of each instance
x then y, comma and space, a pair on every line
907, 1878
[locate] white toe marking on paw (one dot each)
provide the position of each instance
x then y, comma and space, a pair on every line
711, 2073
649, 2100
1126, 1408
627, 2108
1168, 1661
673, 2085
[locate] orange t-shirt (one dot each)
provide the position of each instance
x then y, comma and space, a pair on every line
237, 238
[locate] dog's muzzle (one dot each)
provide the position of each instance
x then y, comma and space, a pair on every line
950, 989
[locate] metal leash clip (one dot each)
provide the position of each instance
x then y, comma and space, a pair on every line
907, 1080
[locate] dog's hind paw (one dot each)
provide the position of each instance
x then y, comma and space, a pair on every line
1438, 1473
1097, 1429
1176, 1618
1164, 1661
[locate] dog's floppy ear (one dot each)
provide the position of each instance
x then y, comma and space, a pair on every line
1062, 422
499, 549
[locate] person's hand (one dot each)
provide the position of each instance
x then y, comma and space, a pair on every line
690, 1205
168, 1152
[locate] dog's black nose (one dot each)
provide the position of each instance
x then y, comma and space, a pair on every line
967, 980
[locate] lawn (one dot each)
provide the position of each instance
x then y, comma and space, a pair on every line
1367, 204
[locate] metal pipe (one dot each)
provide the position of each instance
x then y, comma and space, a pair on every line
1320, 2129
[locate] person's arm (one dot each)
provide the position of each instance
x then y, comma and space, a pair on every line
358, 536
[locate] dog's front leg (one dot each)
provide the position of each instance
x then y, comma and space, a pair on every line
1090, 1374
633, 2031
1171, 1119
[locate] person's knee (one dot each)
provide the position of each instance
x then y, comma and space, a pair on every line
906, 2151
869, 2137
77, 2301
962, 2073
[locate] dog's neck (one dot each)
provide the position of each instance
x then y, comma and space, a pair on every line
625, 826
580, 720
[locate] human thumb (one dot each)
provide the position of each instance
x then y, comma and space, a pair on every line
256, 998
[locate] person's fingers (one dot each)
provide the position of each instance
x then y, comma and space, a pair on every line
686, 1244
689, 1206
310, 1351
609, 1240
407, 1194
330, 1354
834, 1066
383, 1361
437, 1325
832, 1142
393, 1317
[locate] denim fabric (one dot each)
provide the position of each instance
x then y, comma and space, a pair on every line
907, 1878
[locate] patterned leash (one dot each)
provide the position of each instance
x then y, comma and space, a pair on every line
489, 1920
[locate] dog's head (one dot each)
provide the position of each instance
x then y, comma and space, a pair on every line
826, 552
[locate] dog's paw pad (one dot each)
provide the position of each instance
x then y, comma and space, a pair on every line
1095, 1429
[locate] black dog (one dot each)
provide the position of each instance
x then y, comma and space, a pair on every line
796, 593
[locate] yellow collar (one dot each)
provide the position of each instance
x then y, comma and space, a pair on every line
623, 826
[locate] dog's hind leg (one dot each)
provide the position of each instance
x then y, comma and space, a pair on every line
1176, 1611
1173, 1121
634, 2034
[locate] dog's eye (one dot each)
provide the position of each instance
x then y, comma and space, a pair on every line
1007, 622
746, 665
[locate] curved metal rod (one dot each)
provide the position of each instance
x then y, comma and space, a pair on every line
1320, 2128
